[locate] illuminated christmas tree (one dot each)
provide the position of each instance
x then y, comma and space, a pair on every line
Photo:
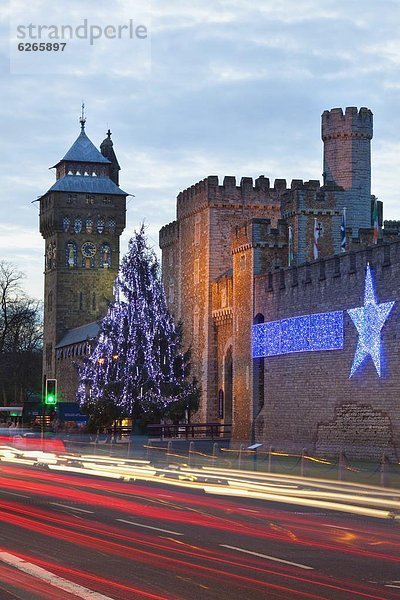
137, 365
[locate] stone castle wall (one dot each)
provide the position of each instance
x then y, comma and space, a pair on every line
200, 242
310, 401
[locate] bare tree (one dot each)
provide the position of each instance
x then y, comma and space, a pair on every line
20, 337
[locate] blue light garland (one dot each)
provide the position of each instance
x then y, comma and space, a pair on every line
369, 320
308, 333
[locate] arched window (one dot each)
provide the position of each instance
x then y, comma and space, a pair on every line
67, 224
71, 255
49, 255
89, 225
100, 225
78, 225
105, 256
111, 223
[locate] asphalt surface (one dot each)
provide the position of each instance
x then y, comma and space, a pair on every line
139, 539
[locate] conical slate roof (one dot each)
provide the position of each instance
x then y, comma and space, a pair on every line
83, 150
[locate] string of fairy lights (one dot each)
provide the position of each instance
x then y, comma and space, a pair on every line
307, 333
325, 331
137, 359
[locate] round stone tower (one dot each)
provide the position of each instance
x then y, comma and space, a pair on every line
347, 160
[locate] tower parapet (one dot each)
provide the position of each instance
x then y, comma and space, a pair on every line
209, 192
352, 123
168, 234
269, 243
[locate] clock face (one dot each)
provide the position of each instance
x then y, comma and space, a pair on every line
88, 249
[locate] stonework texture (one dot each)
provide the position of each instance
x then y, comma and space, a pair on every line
225, 258
308, 394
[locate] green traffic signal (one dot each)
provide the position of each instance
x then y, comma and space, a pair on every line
51, 391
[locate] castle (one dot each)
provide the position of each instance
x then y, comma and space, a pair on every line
273, 344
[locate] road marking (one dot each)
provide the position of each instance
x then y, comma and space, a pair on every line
91, 512
149, 527
392, 586
54, 580
14, 494
333, 526
280, 560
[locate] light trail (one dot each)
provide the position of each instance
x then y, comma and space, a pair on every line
127, 592
58, 582
82, 510
212, 514
142, 555
156, 513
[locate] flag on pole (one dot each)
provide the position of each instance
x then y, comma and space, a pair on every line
375, 220
343, 231
316, 236
290, 248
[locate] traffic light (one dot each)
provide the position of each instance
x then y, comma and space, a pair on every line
51, 391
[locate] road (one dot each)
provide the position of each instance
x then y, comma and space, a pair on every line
69, 534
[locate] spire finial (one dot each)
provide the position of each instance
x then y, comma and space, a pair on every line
109, 134
82, 119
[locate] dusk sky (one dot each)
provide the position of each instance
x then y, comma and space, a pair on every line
232, 87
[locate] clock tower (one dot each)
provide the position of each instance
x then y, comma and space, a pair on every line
81, 219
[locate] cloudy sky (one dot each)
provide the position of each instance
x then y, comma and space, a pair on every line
228, 87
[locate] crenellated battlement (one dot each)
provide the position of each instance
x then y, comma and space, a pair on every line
168, 234
248, 192
311, 196
299, 184
352, 123
259, 233
391, 227
325, 270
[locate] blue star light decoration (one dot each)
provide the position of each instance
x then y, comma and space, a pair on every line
369, 320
